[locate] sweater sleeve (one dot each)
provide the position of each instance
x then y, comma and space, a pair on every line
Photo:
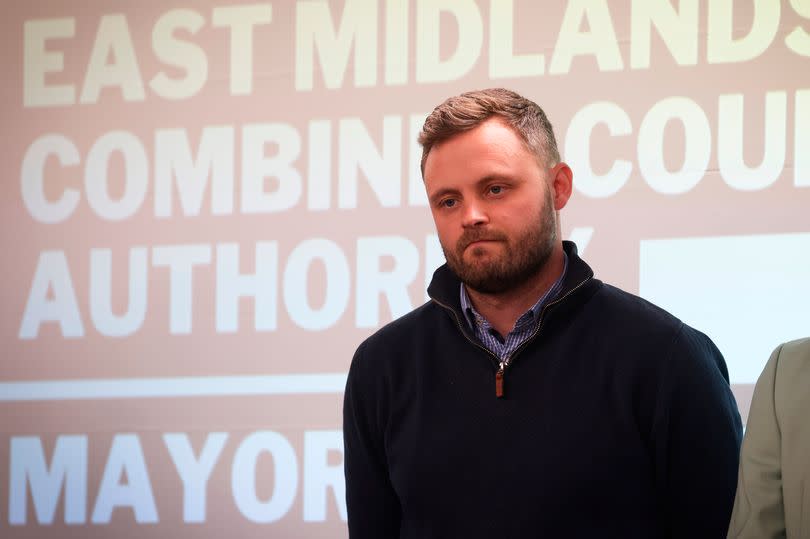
758, 508
372, 505
697, 436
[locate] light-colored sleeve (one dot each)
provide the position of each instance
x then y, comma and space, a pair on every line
758, 506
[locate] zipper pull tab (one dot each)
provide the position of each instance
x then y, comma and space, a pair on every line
499, 380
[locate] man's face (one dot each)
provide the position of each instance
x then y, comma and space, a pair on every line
493, 209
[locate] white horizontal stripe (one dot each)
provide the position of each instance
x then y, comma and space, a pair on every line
145, 388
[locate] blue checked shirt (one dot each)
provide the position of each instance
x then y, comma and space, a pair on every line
524, 326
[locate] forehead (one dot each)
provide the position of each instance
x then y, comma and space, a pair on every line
491, 148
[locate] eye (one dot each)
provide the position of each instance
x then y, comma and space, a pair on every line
496, 189
448, 203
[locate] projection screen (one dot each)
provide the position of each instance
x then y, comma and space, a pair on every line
208, 206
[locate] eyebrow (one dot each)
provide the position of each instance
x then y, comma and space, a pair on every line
494, 177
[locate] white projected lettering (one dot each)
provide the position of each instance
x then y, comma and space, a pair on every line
315, 32
320, 477
730, 148
113, 40
357, 152
651, 145
504, 63
52, 277
270, 182
678, 29
68, 473
125, 484
332, 37
374, 285
392, 284
126, 460
723, 47
578, 149
798, 40
397, 25
193, 471
101, 290
599, 41
181, 54
430, 67
181, 259
136, 175
296, 284
32, 179
261, 285
698, 143
240, 21
319, 193
243, 477
257, 167
38, 61
174, 161
113, 62
348, 38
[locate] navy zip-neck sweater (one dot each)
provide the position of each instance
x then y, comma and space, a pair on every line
616, 420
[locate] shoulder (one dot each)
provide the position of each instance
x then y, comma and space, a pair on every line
640, 309
788, 362
797, 351
642, 317
381, 346
404, 328
790, 366
656, 335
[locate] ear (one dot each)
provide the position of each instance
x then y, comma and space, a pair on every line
561, 180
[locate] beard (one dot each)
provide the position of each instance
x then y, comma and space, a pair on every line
523, 256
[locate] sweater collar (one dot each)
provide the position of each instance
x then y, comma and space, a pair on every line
444, 287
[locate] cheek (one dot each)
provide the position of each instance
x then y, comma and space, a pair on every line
443, 226
529, 211
513, 217
449, 234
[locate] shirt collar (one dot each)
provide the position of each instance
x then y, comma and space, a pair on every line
474, 318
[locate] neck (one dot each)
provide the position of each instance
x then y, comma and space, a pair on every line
503, 309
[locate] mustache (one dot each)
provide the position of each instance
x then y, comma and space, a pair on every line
477, 234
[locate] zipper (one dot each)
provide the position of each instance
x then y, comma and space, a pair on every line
502, 364
499, 379
508, 360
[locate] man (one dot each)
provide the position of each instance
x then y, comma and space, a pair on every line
527, 398
773, 493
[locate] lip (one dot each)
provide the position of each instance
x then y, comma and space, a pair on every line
479, 242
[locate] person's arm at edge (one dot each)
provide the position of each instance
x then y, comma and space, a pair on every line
698, 438
758, 507
372, 505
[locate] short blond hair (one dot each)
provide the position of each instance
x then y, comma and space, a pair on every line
470, 109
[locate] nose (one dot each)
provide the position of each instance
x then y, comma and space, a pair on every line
474, 215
